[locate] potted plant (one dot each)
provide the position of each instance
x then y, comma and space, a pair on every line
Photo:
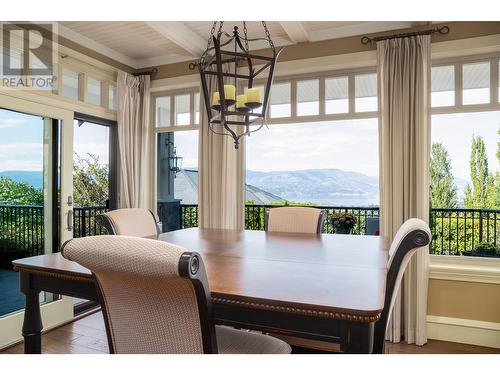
484, 249
343, 222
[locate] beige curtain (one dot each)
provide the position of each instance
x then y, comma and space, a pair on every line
221, 177
133, 141
404, 144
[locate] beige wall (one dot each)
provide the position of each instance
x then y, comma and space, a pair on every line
464, 300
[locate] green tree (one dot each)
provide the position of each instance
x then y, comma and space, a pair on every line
476, 196
19, 193
90, 181
443, 192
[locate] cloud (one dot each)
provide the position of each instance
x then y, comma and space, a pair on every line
11, 122
348, 145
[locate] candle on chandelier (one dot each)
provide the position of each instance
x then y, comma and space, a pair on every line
215, 98
229, 92
240, 101
253, 95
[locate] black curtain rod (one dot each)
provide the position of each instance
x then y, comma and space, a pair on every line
441, 30
146, 72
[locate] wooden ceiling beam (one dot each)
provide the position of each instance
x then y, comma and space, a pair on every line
180, 34
296, 31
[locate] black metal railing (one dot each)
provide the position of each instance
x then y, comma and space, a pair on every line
460, 231
455, 231
84, 223
255, 216
22, 229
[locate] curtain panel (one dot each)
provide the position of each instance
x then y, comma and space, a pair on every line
404, 147
133, 141
221, 176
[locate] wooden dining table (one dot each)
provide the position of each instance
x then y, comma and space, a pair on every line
323, 287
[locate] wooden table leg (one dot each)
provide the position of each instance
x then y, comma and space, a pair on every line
357, 338
32, 325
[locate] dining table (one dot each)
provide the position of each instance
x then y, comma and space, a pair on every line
324, 287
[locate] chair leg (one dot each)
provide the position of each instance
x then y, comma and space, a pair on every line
379, 338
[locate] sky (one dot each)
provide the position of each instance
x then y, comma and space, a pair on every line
21, 141
350, 145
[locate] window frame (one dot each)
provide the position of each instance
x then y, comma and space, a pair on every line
172, 94
459, 107
322, 115
462, 268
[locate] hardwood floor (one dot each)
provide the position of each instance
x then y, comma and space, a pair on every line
88, 336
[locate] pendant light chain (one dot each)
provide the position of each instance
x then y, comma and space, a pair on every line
246, 35
268, 35
212, 32
219, 33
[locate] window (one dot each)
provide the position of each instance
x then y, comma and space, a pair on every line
308, 97
93, 91
464, 168
366, 92
465, 183
443, 86
280, 100
162, 111
328, 163
70, 87
197, 108
113, 99
476, 83
78, 84
177, 179
182, 110
336, 95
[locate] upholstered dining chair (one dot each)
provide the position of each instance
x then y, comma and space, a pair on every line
411, 237
155, 299
294, 219
135, 222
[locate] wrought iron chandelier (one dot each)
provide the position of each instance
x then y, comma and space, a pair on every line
232, 100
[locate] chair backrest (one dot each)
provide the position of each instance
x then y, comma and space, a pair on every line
154, 295
294, 219
412, 236
135, 222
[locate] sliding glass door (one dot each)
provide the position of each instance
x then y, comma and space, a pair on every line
35, 202
94, 178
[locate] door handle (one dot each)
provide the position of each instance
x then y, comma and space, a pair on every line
70, 220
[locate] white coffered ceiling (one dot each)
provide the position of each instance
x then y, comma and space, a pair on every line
144, 44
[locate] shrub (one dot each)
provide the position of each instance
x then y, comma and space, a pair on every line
486, 248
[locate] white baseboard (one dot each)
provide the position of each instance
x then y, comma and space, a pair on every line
473, 332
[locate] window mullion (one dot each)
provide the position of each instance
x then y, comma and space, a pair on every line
172, 110
191, 108
293, 98
322, 96
458, 85
351, 94
494, 81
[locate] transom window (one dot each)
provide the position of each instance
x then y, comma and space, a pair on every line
466, 84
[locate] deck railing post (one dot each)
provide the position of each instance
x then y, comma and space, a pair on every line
480, 226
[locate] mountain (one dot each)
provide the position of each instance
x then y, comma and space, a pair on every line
320, 186
186, 189
34, 178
